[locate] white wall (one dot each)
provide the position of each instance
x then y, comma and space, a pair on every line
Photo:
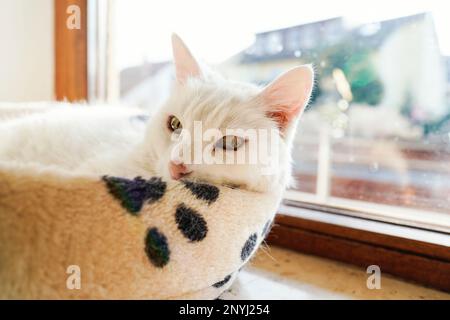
26, 50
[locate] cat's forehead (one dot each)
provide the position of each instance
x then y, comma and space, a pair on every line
221, 105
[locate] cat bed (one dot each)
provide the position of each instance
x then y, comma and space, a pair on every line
123, 238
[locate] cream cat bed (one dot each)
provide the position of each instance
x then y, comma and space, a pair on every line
141, 238
130, 238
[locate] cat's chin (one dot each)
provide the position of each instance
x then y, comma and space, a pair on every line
259, 185
186, 177
262, 184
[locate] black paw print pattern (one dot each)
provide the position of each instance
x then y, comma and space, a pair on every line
190, 223
134, 193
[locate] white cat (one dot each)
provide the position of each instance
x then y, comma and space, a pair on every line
104, 140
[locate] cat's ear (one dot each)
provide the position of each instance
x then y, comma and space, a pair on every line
185, 64
288, 95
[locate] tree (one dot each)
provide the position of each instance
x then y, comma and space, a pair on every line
355, 60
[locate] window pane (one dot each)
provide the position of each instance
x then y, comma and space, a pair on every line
377, 128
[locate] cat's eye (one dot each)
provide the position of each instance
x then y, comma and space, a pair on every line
230, 143
174, 123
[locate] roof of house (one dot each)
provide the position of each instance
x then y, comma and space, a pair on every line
374, 34
294, 41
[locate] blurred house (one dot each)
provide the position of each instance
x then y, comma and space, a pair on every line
411, 68
290, 43
394, 64
398, 60
275, 51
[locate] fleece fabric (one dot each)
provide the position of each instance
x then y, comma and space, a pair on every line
123, 238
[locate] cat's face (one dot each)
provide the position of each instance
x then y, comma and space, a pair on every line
219, 131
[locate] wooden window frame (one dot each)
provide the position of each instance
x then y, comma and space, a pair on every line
71, 60
425, 261
421, 261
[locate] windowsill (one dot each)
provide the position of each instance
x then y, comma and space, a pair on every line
412, 254
361, 223
277, 273
416, 218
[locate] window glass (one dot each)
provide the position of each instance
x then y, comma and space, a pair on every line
377, 128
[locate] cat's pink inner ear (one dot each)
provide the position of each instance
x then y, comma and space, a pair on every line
288, 95
185, 64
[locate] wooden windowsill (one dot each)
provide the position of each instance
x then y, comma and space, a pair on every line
282, 274
412, 254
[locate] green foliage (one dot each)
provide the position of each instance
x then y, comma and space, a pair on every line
355, 60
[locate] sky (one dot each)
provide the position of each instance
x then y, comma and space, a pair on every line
215, 30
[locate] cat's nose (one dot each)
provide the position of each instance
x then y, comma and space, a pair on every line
178, 170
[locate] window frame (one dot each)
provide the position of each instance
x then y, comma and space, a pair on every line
415, 218
399, 252
71, 49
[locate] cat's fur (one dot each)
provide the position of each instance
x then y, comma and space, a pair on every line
102, 140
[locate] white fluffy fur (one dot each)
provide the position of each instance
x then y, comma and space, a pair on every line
103, 140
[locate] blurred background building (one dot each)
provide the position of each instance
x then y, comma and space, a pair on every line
385, 64
381, 105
